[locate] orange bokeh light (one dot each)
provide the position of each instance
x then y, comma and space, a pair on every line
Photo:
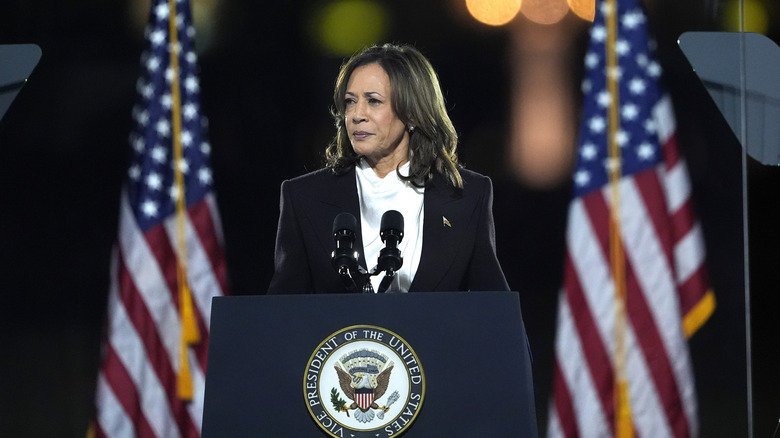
585, 9
493, 12
545, 11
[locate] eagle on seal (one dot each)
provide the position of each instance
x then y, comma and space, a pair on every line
373, 385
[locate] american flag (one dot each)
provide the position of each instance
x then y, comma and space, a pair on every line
635, 286
168, 262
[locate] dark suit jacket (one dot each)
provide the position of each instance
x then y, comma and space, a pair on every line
456, 256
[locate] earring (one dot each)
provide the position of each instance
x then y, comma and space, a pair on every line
411, 129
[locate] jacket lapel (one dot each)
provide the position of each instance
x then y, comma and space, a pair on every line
447, 213
326, 200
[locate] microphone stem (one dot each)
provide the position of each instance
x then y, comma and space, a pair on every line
386, 281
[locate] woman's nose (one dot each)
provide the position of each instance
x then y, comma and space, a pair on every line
358, 113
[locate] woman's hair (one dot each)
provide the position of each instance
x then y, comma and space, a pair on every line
417, 100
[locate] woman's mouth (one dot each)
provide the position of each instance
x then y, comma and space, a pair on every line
360, 135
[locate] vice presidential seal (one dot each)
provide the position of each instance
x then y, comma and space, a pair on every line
364, 381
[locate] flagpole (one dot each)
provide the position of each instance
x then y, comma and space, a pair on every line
189, 330
622, 401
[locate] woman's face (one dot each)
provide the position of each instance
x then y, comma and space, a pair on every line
372, 126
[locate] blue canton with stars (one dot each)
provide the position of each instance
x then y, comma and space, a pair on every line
638, 76
151, 186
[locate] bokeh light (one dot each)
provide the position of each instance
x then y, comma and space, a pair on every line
545, 11
585, 9
756, 18
493, 12
343, 27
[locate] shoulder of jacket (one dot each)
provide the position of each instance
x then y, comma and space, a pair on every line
311, 176
316, 177
474, 182
322, 185
470, 176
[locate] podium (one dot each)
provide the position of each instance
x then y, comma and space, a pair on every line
461, 364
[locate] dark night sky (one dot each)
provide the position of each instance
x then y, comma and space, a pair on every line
266, 92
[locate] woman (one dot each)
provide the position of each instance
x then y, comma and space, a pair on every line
394, 149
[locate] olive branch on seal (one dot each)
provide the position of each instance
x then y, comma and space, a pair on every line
339, 403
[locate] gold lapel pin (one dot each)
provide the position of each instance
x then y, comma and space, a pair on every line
446, 222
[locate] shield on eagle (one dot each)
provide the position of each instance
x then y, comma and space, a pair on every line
364, 397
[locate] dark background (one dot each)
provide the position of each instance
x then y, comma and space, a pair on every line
266, 91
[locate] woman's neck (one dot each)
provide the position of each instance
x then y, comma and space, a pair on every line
382, 169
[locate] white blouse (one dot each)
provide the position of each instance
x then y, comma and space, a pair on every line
378, 195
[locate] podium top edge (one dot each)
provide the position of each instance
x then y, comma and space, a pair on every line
470, 293
414, 296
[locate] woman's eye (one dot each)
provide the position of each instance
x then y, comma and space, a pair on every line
374, 101
349, 101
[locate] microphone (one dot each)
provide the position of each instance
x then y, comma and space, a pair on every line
344, 258
391, 231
